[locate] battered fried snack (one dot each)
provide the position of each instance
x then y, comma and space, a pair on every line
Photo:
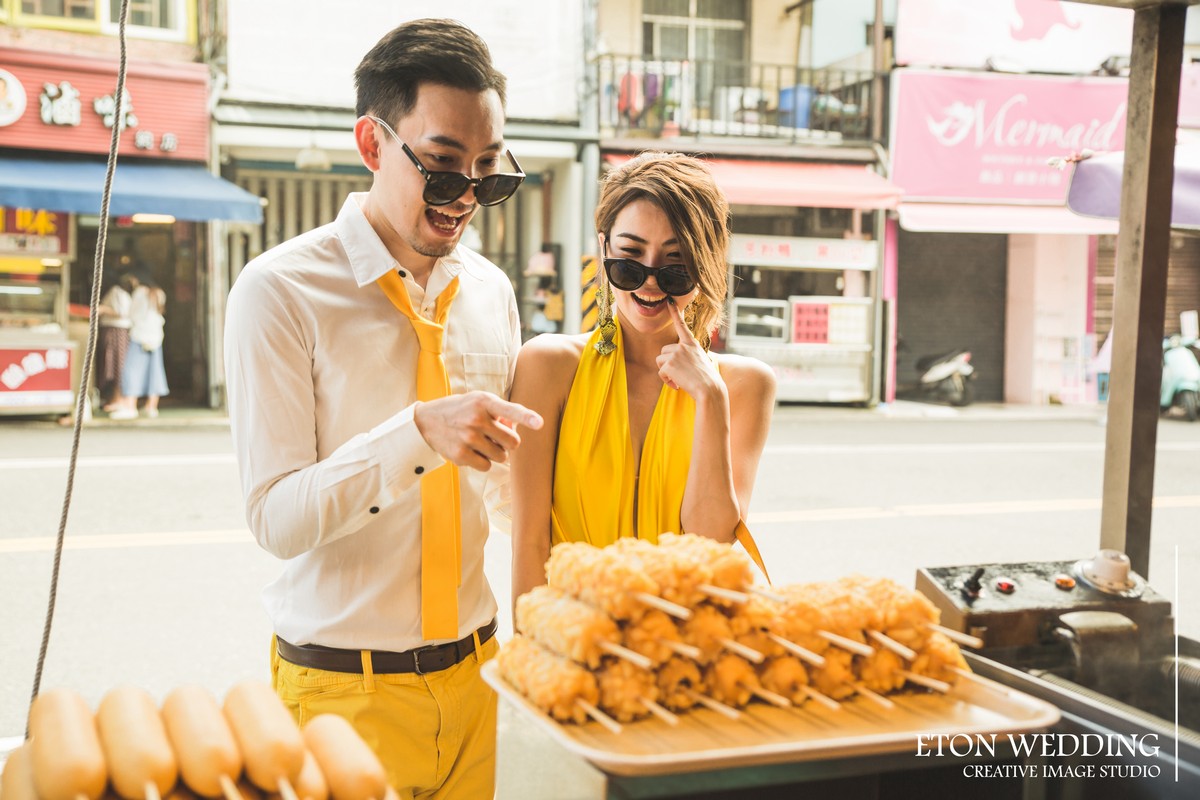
602, 577
550, 682
785, 675
566, 626
730, 679
623, 686
678, 571
731, 569
678, 678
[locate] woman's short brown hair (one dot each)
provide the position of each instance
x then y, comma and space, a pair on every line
684, 188
439, 51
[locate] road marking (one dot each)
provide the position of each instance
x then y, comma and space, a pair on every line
962, 447
954, 509
117, 541
186, 460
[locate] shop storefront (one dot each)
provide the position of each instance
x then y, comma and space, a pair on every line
989, 257
55, 129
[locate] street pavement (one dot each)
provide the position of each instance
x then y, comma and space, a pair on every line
160, 578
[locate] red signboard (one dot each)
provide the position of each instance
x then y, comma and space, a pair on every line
52, 102
39, 377
34, 232
988, 138
810, 323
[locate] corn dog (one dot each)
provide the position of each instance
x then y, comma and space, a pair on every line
271, 744
351, 768
141, 763
17, 781
311, 785
208, 755
68, 762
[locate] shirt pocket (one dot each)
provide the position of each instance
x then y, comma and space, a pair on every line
486, 372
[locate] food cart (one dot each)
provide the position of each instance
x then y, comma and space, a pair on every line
39, 364
1089, 637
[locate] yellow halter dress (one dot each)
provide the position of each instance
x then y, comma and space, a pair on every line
594, 482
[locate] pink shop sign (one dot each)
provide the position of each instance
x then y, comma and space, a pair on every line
987, 138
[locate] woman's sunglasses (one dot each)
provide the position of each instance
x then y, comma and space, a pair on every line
443, 188
628, 275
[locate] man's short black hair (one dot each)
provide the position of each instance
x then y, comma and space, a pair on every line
440, 51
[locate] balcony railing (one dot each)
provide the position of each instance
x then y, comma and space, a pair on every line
656, 98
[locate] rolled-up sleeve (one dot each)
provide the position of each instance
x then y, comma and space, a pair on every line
296, 501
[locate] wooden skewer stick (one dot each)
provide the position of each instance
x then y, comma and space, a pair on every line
858, 648
714, 705
151, 791
766, 694
891, 644
666, 606
925, 680
825, 700
958, 637
731, 595
637, 659
286, 790
748, 653
229, 788
966, 674
767, 593
802, 653
685, 650
658, 711
874, 697
599, 716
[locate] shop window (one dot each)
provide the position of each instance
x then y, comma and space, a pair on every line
69, 9
164, 14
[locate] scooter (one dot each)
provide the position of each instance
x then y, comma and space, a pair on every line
947, 377
1180, 377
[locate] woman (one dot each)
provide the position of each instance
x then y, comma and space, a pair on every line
144, 374
645, 430
113, 340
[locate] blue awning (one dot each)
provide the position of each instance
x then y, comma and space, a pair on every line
184, 191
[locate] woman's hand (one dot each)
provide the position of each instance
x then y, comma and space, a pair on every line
685, 365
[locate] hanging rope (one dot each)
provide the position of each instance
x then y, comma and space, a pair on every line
86, 377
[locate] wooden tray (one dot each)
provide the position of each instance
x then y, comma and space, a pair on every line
769, 735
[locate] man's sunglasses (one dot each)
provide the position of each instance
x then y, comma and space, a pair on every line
443, 188
628, 275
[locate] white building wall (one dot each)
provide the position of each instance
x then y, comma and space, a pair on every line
1045, 328
304, 52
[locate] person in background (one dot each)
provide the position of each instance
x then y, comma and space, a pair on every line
367, 361
143, 374
646, 431
113, 333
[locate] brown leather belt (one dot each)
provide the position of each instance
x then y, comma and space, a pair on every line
422, 660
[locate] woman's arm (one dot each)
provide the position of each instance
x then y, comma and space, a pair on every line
545, 370
730, 432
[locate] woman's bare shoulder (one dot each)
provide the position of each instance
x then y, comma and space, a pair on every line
743, 373
551, 357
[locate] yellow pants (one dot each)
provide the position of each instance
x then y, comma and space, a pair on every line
435, 734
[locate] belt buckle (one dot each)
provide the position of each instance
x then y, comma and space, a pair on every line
416, 654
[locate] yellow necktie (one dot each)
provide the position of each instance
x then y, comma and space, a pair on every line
441, 526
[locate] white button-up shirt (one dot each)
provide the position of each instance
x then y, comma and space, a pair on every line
321, 381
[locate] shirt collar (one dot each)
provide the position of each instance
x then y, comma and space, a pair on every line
369, 257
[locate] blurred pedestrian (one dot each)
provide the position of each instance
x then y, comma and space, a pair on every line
113, 340
143, 374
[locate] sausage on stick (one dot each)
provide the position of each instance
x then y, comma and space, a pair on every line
141, 763
351, 768
68, 762
17, 781
209, 759
271, 744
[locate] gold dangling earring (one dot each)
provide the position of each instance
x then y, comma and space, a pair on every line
608, 328
689, 319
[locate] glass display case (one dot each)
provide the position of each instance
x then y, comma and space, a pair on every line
31, 303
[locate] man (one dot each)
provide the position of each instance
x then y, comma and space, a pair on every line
348, 449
